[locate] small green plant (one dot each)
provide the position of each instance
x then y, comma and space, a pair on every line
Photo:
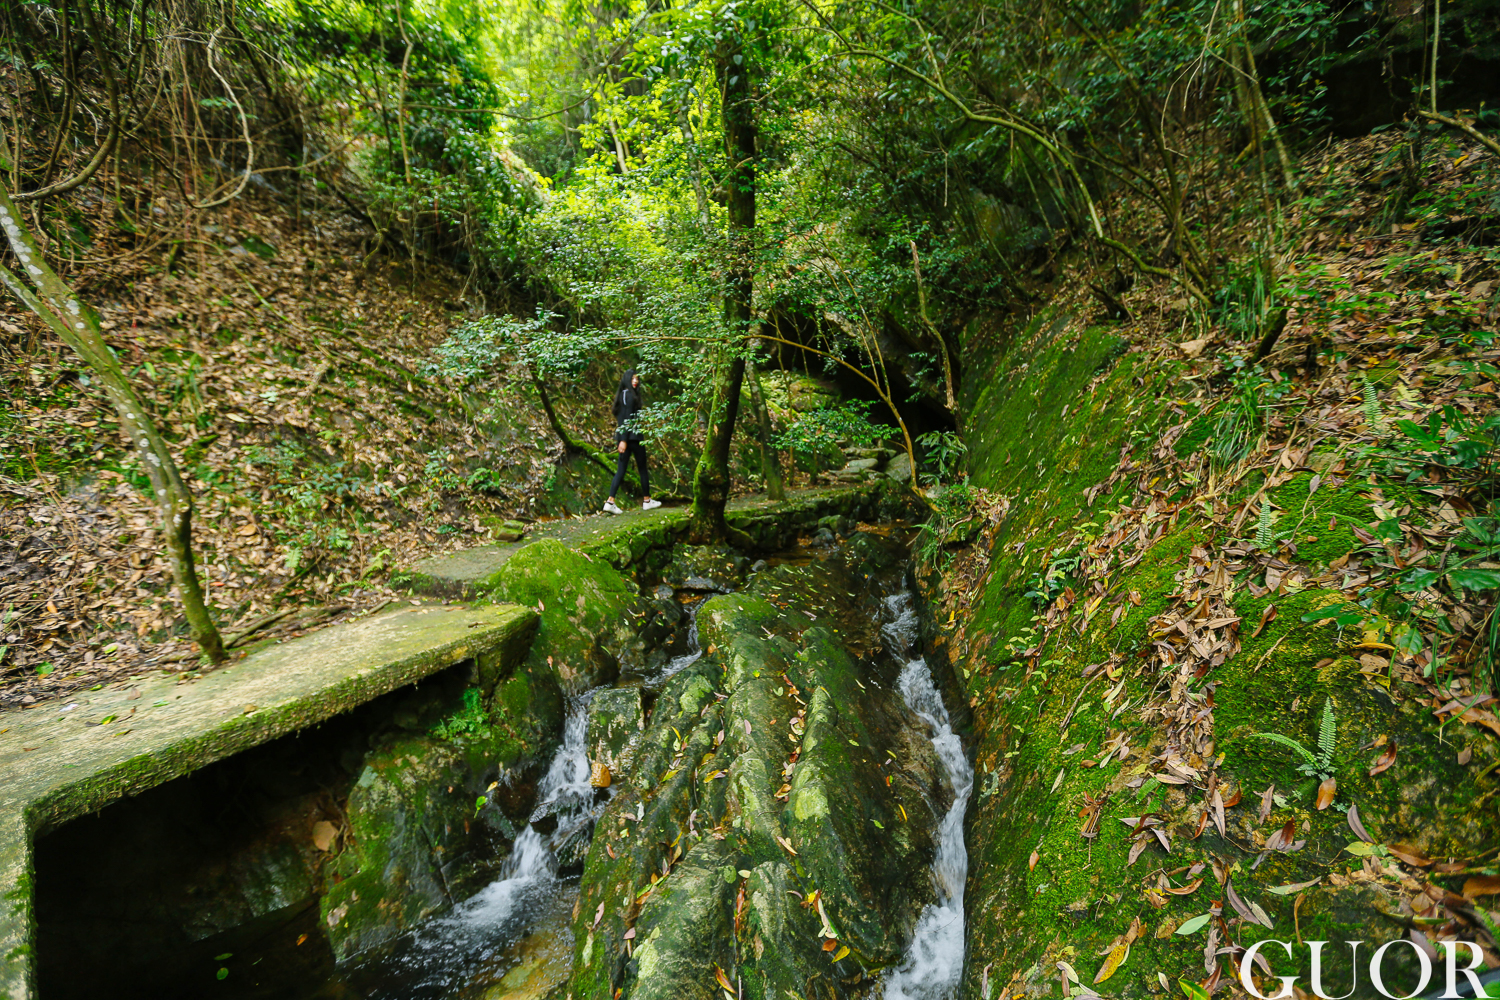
952, 506
1371, 406
1319, 765
945, 451
485, 480
470, 723
1048, 583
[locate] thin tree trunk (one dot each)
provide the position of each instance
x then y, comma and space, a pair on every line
711, 477
770, 462
78, 327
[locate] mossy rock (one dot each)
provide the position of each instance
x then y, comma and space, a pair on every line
705, 567
615, 723
731, 799
414, 847
582, 602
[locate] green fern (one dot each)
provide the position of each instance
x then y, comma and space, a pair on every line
1320, 764
1265, 538
1326, 734
1291, 744
1373, 415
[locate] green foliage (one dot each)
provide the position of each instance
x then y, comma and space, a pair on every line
1314, 765
842, 424
469, 724
1049, 582
1240, 420
945, 451
475, 347
952, 507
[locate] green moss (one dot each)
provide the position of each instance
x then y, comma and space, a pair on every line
1033, 795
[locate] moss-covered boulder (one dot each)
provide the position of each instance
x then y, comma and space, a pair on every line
615, 723
414, 845
782, 797
705, 567
584, 631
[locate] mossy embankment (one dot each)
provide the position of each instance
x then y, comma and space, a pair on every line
1133, 614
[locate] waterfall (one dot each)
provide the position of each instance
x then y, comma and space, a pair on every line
691, 656
440, 954
934, 961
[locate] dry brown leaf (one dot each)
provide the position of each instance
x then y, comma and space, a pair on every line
1482, 885
1266, 617
1385, 760
1409, 855
1326, 791
1358, 827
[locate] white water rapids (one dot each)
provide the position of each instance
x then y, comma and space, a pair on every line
439, 956
934, 961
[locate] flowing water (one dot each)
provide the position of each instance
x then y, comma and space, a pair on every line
934, 961
693, 652
518, 924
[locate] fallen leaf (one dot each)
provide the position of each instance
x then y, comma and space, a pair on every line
1326, 791
722, 979
842, 954
1465, 755
1117, 956
1194, 925
1281, 840
323, 834
1266, 802
1482, 885
1385, 760
1287, 890
1409, 855
1035, 857
1266, 617
598, 915
1359, 827
1186, 890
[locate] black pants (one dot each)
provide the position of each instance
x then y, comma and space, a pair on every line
639, 451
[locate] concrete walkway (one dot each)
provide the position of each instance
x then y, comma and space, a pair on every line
623, 539
61, 760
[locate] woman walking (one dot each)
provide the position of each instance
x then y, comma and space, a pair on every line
626, 407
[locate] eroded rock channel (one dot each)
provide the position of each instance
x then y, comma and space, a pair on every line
734, 779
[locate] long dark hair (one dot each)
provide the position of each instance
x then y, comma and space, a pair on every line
618, 406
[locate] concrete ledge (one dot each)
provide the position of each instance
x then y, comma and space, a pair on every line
627, 541
62, 760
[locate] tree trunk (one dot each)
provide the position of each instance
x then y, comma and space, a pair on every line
770, 462
711, 477
78, 326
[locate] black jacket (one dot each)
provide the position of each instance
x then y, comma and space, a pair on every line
627, 406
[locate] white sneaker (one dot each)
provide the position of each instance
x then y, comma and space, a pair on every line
611, 508
650, 505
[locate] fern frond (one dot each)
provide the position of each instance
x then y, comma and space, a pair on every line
1264, 536
1290, 744
1371, 405
1327, 731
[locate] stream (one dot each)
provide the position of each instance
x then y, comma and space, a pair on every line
513, 939
515, 931
934, 962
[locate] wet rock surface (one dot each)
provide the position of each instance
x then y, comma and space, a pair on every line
778, 819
